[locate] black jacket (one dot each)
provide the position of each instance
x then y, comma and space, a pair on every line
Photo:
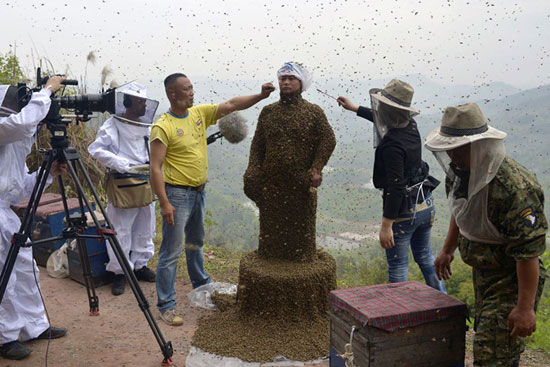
398, 164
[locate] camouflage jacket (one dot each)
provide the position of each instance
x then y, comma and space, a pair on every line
516, 208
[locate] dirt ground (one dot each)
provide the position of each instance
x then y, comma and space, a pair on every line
121, 336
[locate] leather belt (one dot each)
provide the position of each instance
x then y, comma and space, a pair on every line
199, 188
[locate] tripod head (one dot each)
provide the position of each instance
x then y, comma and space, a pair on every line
81, 105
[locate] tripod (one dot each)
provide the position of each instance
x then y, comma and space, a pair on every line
61, 152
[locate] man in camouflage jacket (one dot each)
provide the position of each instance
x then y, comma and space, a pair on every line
499, 226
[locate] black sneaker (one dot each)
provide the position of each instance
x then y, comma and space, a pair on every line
52, 333
118, 284
145, 274
14, 350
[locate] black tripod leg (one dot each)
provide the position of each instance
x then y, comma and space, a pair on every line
109, 233
93, 300
20, 238
87, 272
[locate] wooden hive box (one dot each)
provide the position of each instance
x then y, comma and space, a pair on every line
398, 325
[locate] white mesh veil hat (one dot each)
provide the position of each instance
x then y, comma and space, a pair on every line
468, 197
396, 93
461, 125
124, 97
391, 108
4, 111
3, 90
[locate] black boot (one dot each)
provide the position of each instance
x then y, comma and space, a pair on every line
14, 350
52, 333
145, 274
118, 284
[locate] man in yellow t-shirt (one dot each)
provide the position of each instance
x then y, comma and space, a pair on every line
178, 143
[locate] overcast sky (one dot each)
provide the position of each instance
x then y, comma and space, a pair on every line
450, 42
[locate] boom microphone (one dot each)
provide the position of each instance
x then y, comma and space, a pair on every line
232, 127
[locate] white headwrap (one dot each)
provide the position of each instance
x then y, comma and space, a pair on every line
297, 70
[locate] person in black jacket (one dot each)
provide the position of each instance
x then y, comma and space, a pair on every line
408, 207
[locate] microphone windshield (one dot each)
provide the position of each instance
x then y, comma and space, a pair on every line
233, 127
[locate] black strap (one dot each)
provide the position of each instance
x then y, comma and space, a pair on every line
118, 175
146, 138
463, 132
396, 100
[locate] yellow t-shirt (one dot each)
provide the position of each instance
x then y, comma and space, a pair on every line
186, 161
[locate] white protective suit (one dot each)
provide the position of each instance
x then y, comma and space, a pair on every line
119, 146
21, 311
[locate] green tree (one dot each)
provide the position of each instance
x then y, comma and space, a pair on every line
10, 70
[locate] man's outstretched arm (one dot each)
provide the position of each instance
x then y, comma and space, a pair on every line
244, 102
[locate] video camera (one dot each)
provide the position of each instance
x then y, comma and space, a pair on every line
82, 105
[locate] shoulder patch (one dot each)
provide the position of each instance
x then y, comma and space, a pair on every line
528, 216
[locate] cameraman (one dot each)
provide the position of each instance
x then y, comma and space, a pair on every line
22, 312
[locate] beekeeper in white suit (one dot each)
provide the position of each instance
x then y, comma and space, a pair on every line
122, 146
22, 314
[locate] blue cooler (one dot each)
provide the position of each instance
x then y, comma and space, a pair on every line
97, 255
49, 221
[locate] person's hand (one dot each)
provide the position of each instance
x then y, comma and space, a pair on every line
442, 265
267, 88
168, 212
522, 321
54, 83
316, 178
58, 169
347, 104
386, 237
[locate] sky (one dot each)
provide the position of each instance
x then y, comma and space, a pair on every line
449, 42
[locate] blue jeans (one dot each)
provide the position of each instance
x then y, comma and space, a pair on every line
188, 221
415, 233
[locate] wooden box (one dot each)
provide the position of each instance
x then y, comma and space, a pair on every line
398, 325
